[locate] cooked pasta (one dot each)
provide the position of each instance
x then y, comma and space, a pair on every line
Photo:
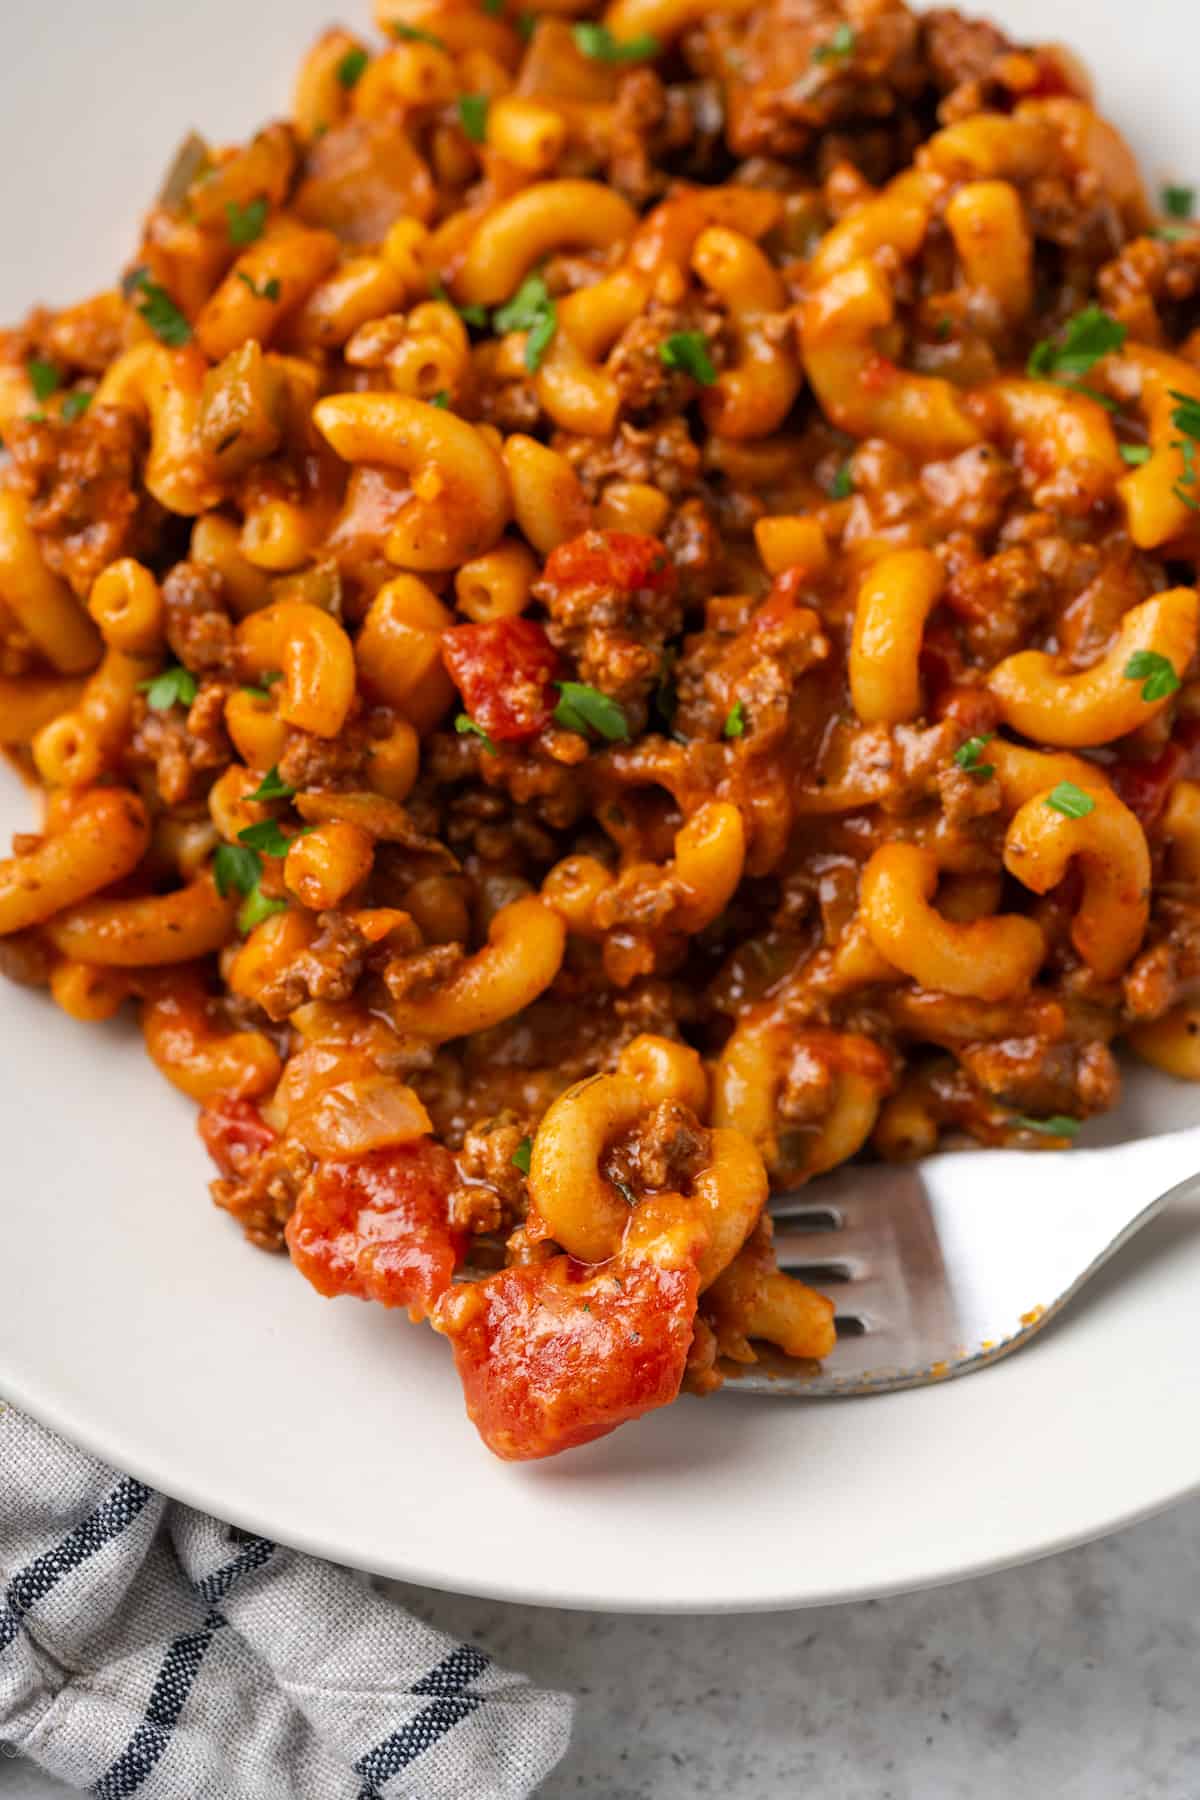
606, 618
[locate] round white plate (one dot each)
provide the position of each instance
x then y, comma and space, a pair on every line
135, 1320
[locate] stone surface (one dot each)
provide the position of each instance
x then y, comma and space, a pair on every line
1078, 1677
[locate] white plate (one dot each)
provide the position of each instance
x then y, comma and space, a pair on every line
134, 1319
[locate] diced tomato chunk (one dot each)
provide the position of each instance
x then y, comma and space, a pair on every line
625, 560
503, 670
234, 1133
553, 1355
376, 1227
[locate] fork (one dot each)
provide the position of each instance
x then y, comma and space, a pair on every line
939, 1268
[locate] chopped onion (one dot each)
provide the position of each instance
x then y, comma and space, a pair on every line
362, 1115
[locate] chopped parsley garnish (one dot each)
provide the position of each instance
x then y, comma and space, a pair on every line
266, 683
473, 111
1059, 1125
1155, 672
236, 869
843, 482
270, 290
1178, 202
43, 376
442, 399
465, 726
157, 310
246, 223
1135, 454
521, 1155
581, 708
1185, 417
412, 34
969, 757
255, 908
352, 67
1090, 335
470, 315
839, 46
493, 8
175, 685
626, 1192
598, 42
272, 787
735, 721
688, 350
1070, 800
526, 25
75, 405
533, 311
267, 837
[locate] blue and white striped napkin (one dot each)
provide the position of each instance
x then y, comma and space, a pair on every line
147, 1650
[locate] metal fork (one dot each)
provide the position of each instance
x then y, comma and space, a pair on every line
939, 1268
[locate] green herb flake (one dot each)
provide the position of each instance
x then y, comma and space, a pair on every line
626, 1192
470, 315
1090, 335
352, 67
1155, 672
493, 8
266, 683
584, 709
246, 223
75, 405
843, 482
969, 757
157, 310
735, 721
43, 376
255, 908
598, 42
522, 1154
473, 111
236, 869
442, 400
272, 787
1185, 417
1070, 800
1135, 455
270, 290
533, 311
268, 837
1174, 234
839, 46
526, 25
1059, 1125
412, 34
174, 686
465, 726
688, 350
1178, 202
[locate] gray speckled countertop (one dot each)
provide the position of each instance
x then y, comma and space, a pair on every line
1077, 1679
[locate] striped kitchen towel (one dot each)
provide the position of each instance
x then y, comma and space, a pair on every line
148, 1650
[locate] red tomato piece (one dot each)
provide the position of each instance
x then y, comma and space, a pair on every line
628, 561
553, 1355
503, 670
376, 1227
234, 1133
